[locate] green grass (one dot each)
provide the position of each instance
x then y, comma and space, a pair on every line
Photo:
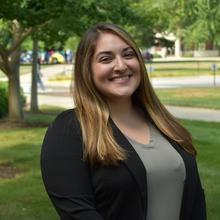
207, 140
44, 117
181, 68
180, 72
195, 97
24, 197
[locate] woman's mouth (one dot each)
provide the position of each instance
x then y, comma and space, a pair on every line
120, 78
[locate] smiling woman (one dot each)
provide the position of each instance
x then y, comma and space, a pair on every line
119, 154
115, 68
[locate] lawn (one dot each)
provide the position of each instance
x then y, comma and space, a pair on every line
195, 97
23, 196
181, 68
207, 140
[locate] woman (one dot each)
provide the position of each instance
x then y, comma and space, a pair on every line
119, 155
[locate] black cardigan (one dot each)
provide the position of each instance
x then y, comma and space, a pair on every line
81, 192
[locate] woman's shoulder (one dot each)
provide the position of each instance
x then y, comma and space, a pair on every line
66, 119
63, 136
66, 115
66, 124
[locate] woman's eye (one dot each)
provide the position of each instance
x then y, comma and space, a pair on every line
105, 59
130, 54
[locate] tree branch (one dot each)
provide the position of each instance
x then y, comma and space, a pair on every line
3, 51
21, 39
2, 67
25, 34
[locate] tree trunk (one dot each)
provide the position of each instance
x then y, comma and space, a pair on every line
34, 98
15, 105
209, 45
178, 51
10, 64
13, 63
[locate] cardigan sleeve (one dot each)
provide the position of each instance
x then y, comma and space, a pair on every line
65, 175
199, 208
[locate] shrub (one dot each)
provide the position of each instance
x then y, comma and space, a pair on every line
156, 55
4, 99
23, 97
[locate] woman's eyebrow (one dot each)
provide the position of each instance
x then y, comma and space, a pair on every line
127, 48
110, 52
102, 53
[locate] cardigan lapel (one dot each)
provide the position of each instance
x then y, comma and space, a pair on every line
133, 163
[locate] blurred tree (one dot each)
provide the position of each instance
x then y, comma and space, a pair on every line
174, 16
72, 43
18, 20
52, 22
143, 25
206, 25
77, 16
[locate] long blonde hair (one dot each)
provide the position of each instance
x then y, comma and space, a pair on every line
92, 111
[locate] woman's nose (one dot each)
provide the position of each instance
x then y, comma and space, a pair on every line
120, 64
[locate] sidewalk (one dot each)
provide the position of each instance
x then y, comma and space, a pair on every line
199, 114
60, 96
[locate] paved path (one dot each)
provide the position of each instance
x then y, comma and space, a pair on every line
58, 93
62, 97
47, 72
184, 82
200, 114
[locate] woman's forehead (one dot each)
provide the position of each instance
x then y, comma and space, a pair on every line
109, 42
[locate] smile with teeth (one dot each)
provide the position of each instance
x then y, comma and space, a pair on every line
121, 77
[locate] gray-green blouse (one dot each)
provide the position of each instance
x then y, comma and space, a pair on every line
165, 176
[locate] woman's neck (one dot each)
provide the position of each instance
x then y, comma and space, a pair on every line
121, 109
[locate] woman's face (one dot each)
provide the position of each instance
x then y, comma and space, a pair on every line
115, 68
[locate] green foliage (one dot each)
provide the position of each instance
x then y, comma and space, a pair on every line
18, 20
27, 44
3, 100
174, 14
77, 16
142, 27
193, 21
206, 25
30, 12
72, 43
23, 97
5, 34
57, 21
